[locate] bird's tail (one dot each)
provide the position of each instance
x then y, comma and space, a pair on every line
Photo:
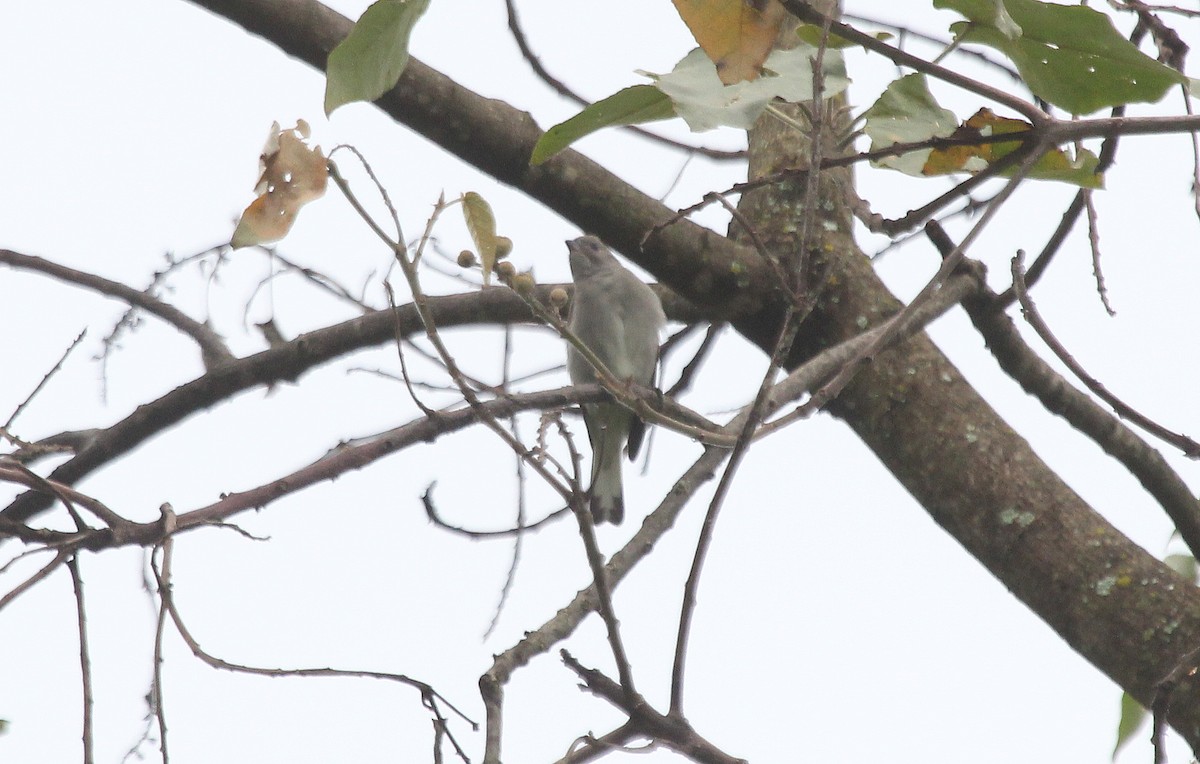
607, 495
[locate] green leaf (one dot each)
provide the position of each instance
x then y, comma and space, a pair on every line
907, 113
1132, 718
481, 224
694, 91
631, 106
1184, 565
1071, 56
368, 63
705, 102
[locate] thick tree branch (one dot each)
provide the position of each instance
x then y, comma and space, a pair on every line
282, 363
1109, 599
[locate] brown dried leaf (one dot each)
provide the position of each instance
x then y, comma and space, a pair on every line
292, 175
736, 34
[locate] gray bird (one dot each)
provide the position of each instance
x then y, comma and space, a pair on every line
619, 317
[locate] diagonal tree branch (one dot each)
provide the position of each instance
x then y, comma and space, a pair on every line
285, 362
976, 477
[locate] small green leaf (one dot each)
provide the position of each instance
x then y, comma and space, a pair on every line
481, 223
369, 62
631, 106
1132, 718
907, 113
1070, 55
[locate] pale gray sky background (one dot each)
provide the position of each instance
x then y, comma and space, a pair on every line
836, 621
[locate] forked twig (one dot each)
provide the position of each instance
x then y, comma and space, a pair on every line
1189, 447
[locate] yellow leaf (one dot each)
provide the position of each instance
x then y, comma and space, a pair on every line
482, 225
292, 175
736, 34
1054, 164
983, 123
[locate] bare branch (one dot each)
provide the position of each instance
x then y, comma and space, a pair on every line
45, 378
1094, 245
85, 661
211, 346
20, 474
670, 730
60, 558
285, 362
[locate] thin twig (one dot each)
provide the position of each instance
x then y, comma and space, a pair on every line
669, 730
1093, 221
600, 583
404, 374
879, 225
756, 240
684, 382
322, 281
519, 538
384, 196
13, 471
168, 598
45, 378
802, 302
60, 558
905, 31
162, 575
210, 344
1189, 447
85, 661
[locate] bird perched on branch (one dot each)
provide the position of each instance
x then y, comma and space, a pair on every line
619, 318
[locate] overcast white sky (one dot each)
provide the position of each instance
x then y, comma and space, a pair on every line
836, 621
